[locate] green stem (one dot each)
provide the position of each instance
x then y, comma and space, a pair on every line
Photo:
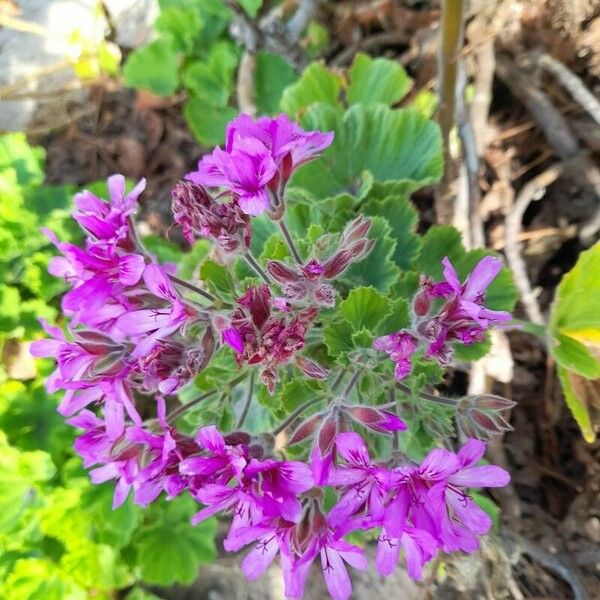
290, 242
255, 266
248, 401
285, 424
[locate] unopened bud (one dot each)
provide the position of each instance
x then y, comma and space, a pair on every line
483, 416
311, 368
421, 303
281, 272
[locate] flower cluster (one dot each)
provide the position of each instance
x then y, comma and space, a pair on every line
259, 158
135, 335
310, 283
261, 337
463, 318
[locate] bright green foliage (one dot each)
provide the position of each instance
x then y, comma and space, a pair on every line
169, 550
364, 307
59, 537
378, 268
317, 84
391, 144
376, 80
575, 339
251, 6
273, 75
154, 68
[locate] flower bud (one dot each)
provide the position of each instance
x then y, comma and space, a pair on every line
483, 416
311, 368
281, 272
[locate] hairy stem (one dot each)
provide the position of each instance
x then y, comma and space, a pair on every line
438, 399
351, 384
177, 412
285, 424
290, 242
192, 287
255, 266
248, 401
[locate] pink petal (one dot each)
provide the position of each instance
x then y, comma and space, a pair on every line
353, 448
260, 557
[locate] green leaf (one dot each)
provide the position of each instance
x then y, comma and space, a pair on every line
140, 594
10, 309
170, 549
379, 80
573, 355
391, 201
217, 276
378, 268
439, 241
425, 102
162, 248
207, 122
296, 392
110, 526
250, 6
472, 352
207, 85
273, 75
391, 144
317, 84
337, 336
153, 67
582, 396
39, 579
21, 474
95, 566
398, 317
211, 80
364, 307
575, 321
181, 25
27, 161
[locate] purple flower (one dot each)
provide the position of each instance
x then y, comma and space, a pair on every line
309, 284
419, 547
244, 170
259, 158
148, 325
95, 273
400, 347
260, 337
464, 317
107, 222
278, 484
323, 541
365, 484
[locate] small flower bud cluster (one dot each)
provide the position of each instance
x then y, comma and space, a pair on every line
310, 284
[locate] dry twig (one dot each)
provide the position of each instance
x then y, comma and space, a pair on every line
572, 83
448, 59
554, 126
532, 190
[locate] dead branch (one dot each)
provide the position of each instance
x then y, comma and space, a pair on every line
556, 130
245, 84
471, 156
532, 190
555, 563
572, 83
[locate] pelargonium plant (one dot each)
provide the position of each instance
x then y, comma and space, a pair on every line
137, 335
